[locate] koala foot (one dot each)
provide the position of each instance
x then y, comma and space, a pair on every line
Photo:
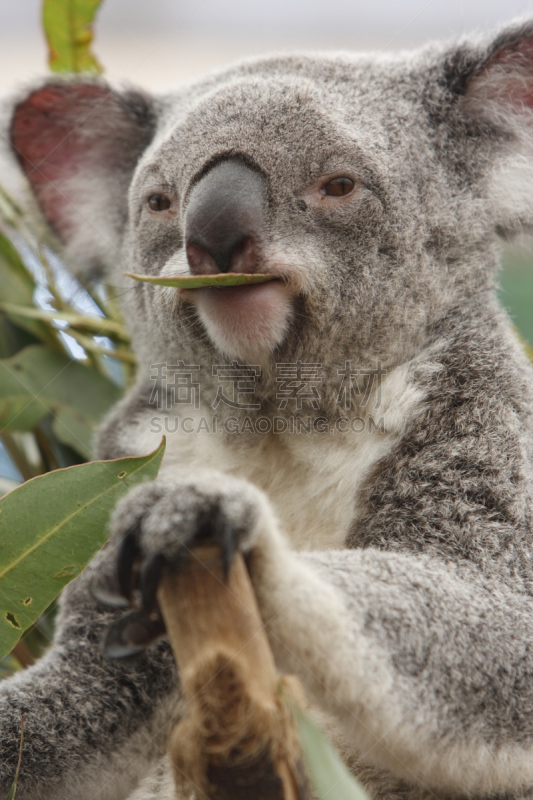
155, 528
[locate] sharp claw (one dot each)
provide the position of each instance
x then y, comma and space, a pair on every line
109, 596
149, 581
127, 555
132, 634
228, 548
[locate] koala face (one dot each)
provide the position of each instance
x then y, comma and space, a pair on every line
336, 206
372, 188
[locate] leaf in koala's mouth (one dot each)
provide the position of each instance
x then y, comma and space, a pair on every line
201, 281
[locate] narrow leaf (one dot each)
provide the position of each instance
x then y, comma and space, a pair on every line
69, 33
328, 775
18, 287
98, 325
72, 429
13, 337
39, 381
51, 527
199, 281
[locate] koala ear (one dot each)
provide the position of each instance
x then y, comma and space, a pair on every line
503, 81
78, 144
494, 85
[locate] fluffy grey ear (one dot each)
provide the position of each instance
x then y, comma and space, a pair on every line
78, 143
490, 86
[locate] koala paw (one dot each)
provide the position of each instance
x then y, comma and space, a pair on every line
154, 530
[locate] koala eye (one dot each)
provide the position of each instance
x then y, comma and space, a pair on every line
159, 202
338, 187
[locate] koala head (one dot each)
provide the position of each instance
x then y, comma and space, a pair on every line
374, 187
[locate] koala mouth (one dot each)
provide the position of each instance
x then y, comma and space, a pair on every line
246, 315
246, 321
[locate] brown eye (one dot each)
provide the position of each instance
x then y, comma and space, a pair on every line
159, 202
338, 187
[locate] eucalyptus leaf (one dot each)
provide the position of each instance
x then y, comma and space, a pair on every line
18, 412
98, 325
22, 283
328, 775
68, 29
39, 381
18, 287
51, 527
72, 429
201, 281
13, 337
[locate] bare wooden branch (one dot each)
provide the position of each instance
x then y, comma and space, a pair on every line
238, 738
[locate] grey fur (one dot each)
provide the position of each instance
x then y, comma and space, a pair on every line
412, 629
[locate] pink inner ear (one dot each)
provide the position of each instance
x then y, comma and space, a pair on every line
55, 132
508, 77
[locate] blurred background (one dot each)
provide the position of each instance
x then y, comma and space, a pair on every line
156, 43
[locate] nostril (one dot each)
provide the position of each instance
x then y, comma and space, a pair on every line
225, 219
245, 255
200, 262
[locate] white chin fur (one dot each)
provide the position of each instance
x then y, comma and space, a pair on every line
248, 331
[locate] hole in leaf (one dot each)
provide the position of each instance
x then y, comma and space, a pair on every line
28, 601
12, 619
69, 571
122, 474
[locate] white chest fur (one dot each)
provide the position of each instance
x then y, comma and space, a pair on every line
312, 479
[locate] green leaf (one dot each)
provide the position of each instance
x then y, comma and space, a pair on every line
20, 282
51, 527
18, 287
68, 29
329, 776
70, 428
101, 326
199, 281
13, 338
38, 381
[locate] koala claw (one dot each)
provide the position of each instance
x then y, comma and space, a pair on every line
150, 575
155, 528
131, 634
128, 554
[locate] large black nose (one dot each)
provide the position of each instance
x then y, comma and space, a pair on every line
225, 218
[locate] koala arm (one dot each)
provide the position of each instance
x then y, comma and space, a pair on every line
92, 727
424, 661
426, 666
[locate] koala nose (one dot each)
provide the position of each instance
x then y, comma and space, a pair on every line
224, 219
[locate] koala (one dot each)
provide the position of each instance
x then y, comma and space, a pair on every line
374, 464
